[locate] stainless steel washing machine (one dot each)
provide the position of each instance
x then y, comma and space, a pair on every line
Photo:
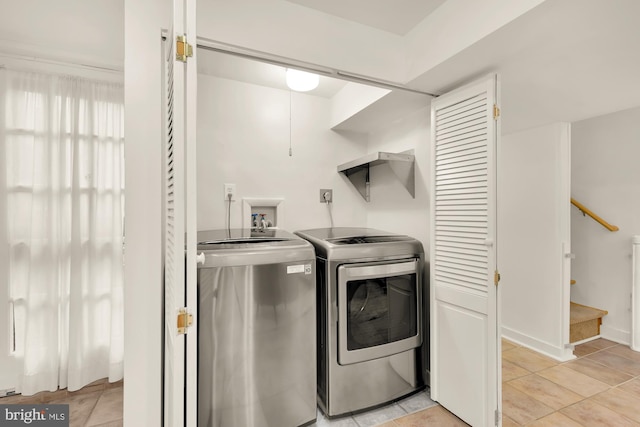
257, 330
372, 311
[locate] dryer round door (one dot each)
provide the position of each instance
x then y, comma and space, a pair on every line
379, 312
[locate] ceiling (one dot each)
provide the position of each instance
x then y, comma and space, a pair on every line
565, 60
397, 16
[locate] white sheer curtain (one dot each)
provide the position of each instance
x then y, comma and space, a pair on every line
62, 141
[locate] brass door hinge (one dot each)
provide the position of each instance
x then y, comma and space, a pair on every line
183, 49
185, 320
496, 112
496, 277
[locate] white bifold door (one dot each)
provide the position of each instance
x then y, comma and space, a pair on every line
465, 335
180, 329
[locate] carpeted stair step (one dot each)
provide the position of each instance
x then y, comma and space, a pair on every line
584, 322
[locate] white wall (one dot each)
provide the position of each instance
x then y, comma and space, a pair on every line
533, 200
243, 138
605, 177
143, 289
352, 99
73, 31
391, 207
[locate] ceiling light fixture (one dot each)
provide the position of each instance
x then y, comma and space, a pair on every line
301, 81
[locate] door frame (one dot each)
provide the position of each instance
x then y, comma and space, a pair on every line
635, 306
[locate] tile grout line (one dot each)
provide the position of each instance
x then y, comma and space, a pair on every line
611, 367
600, 404
86, 422
584, 398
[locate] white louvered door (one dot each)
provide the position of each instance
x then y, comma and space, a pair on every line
465, 338
180, 349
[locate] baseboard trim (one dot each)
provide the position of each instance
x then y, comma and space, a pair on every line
562, 354
615, 335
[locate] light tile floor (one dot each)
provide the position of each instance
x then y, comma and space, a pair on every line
601, 387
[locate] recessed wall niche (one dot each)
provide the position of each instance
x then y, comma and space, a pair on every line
271, 208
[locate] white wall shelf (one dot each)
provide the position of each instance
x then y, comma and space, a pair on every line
402, 165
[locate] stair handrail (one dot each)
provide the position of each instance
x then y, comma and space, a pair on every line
589, 212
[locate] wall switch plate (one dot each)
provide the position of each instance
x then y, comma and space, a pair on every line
229, 189
326, 195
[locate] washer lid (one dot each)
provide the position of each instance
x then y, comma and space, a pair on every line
241, 247
227, 238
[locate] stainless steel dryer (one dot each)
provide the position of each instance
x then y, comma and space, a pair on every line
256, 333
372, 311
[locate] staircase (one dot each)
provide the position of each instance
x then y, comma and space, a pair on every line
584, 322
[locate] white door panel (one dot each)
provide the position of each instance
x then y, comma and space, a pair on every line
464, 316
465, 329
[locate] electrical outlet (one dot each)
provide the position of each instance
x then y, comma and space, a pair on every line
230, 189
326, 195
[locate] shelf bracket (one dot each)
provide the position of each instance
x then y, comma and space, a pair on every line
359, 177
405, 172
